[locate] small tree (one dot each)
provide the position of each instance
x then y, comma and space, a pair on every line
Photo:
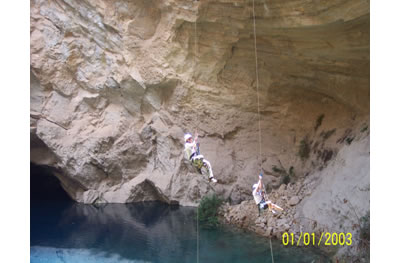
208, 210
364, 236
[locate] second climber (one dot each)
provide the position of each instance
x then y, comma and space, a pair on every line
192, 153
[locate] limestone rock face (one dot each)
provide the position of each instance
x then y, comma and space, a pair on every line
116, 84
334, 200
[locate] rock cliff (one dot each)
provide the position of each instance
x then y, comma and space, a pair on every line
333, 200
116, 84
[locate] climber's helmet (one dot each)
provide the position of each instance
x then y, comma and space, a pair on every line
187, 136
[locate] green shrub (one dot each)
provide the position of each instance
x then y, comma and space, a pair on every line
304, 149
291, 171
208, 210
319, 121
278, 170
364, 129
364, 229
327, 134
285, 179
364, 236
349, 140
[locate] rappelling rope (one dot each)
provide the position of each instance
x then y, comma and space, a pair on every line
195, 41
258, 105
197, 234
272, 253
195, 54
195, 63
258, 97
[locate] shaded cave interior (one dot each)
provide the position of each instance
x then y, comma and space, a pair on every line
45, 186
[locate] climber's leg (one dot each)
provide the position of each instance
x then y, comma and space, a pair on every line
210, 172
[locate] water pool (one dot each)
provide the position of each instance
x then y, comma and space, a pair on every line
144, 232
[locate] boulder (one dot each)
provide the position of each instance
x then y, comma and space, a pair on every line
294, 200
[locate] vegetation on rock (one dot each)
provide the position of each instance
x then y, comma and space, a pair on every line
319, 121
304, 149
364, 235
208, 210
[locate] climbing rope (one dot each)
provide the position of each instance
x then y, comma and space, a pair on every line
258, 109
258, 105
195, 47
258, 97
197, 234
272, 253
194, 78
195, 41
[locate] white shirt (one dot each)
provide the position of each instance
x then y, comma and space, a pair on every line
257, 196
190, 148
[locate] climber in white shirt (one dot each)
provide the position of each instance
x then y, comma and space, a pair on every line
260, 198
192, 153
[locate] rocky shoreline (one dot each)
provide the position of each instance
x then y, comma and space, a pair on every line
245, 215
267, 224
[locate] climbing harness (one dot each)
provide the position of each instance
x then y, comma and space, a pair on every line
258, 105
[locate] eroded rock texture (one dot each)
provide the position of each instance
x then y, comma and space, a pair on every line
116, 84
334, 200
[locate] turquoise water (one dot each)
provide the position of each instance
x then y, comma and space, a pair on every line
144, 232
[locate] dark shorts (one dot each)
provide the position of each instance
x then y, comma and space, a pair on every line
263, 204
